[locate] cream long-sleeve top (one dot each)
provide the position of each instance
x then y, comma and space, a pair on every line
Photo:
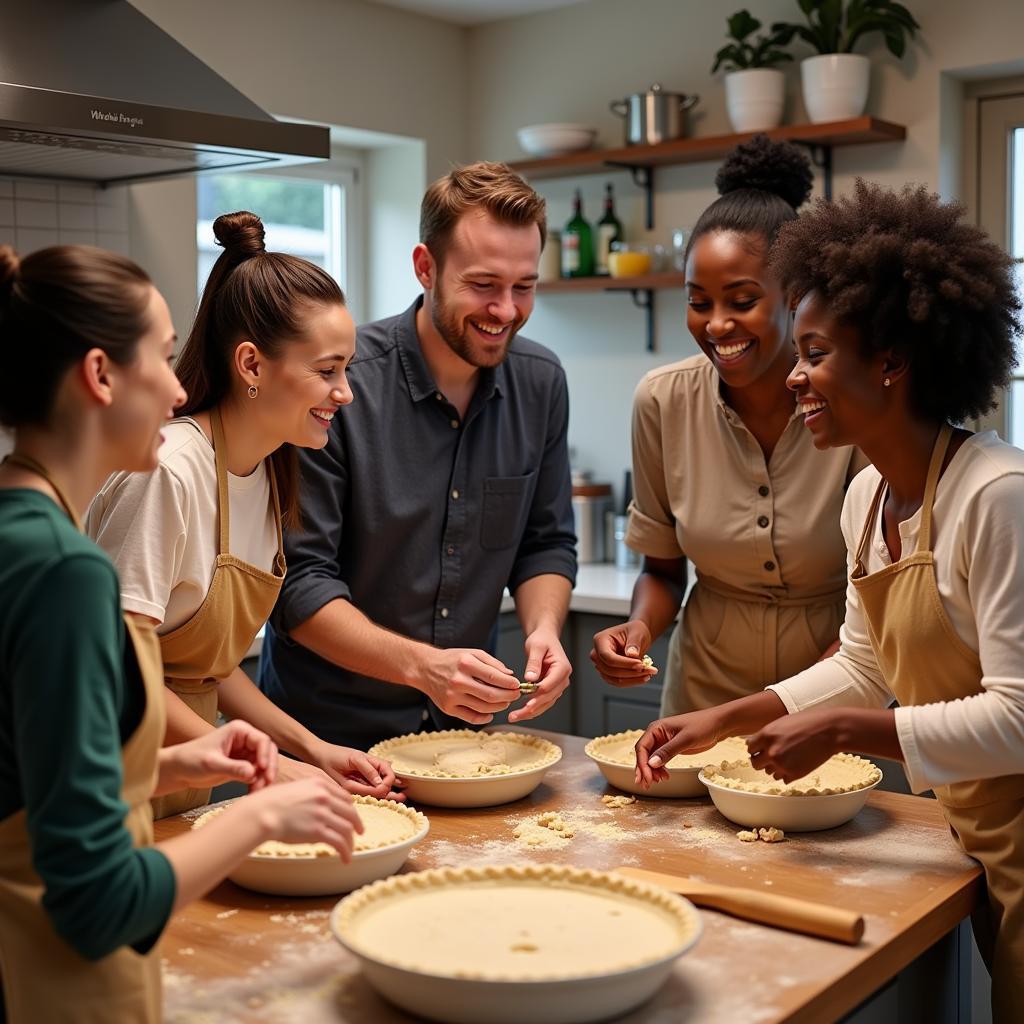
978, 542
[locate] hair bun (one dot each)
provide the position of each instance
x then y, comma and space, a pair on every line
777, 167
240, 233
9, 267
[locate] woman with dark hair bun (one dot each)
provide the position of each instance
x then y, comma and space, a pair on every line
905, 328
724, 474
197, 543
84, 893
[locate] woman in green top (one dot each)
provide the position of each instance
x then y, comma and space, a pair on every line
86, 387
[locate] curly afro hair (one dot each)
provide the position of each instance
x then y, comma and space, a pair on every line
913, 278
760, 185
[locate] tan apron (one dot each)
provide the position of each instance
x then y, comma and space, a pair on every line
44, 980
212, 644
924, 661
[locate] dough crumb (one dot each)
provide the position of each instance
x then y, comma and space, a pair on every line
746, 837
771, 834
648, 661
617, 801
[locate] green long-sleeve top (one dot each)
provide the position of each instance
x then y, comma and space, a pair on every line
67, 704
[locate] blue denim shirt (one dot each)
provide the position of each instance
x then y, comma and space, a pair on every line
421, 519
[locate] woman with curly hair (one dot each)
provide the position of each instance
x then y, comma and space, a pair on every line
905, 328
725, 475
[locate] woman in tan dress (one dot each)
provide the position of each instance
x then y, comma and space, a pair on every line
905, 327
725, 476
84, 893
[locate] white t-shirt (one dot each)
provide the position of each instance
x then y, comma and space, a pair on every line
160, 528
978, 542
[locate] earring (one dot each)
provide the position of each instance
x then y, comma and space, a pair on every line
253, 391
887, 382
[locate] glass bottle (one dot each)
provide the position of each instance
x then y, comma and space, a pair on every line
609, 229
577, 243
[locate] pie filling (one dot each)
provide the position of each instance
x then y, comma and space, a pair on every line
465, 754
618, 749
385, 823
841, 773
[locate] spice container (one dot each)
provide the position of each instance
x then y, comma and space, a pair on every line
590, 502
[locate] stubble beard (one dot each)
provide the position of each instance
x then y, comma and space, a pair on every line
457, 337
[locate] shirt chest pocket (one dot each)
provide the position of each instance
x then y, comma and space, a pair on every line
505, 507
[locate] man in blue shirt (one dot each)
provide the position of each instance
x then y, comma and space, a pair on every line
446, 481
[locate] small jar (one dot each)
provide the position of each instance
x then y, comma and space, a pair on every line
629, 260
550, 266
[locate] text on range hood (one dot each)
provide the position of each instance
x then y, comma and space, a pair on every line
92, 90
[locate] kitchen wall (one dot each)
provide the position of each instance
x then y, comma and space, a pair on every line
567, 64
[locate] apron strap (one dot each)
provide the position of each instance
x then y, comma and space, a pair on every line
27, 462
223, 502
924, 539
865, 533
276, 505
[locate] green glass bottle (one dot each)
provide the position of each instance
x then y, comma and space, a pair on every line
577, 243
609, 229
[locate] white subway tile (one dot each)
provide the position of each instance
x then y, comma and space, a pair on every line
74, 237
115, 241
6, 211
33, 213
112, 218
6, 187
115, 195
76, 216
77, 193
8, 236
35, 190
30, 239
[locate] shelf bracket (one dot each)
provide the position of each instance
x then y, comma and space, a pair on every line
821, 157
643, 178
643, 298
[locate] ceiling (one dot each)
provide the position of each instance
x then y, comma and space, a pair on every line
476, 12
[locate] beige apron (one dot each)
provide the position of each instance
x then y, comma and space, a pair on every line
924, 661
213, 642
44, 980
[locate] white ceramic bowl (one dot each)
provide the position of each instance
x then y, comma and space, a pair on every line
327, 875
476, 992
792, 812
609, 753
555, 139
422, 787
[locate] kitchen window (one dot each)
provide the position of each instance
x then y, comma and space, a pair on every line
998, 199
306, 211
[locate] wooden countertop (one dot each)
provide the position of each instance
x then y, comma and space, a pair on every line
241, 956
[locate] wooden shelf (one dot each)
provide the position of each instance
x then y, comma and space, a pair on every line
857, 131
645, 282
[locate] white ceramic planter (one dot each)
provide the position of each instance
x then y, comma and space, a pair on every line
754, 98
835, 86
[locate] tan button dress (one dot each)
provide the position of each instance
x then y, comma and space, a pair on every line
765, 539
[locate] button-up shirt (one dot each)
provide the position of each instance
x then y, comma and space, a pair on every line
420, 518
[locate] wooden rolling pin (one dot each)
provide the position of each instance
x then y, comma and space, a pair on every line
766, 908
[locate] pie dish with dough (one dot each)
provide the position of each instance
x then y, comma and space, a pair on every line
466, 768
500, 945
824, 798
615, 756
390, 830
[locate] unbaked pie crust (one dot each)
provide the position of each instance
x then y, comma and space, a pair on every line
617, 748
524, 923
385, 823
841, 773
466, 754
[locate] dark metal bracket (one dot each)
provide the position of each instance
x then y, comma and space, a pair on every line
643, 298
643, 178
821, 157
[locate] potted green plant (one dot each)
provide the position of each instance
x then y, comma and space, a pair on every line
835, 83
754, 86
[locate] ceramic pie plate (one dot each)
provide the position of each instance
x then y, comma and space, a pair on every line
466, 768
808, 805
615, 756
285, 869
502, 945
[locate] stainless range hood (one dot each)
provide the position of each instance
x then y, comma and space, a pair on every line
92, 90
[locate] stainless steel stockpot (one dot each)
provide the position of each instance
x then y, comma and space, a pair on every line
654, 116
